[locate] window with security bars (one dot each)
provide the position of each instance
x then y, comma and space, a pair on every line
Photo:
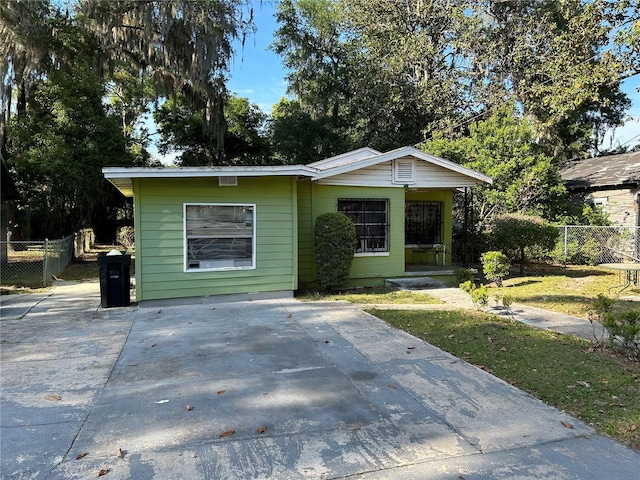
370, 217
219, 237
423, 223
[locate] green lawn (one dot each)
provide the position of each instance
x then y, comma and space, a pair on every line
568, 290
599, 386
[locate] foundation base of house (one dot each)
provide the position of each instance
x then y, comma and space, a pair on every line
233, 297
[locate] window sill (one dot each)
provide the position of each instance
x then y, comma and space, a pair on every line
218, 269
371, 254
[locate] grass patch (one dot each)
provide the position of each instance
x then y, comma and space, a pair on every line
86, 266
599, 386
569, 290
372, 296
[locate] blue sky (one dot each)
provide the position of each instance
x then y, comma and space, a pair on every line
257, 74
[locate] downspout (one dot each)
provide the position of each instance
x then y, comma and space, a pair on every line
637, 232
312, 221
294, 199
465, 236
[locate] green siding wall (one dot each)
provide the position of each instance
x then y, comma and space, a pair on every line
314, 200
159, 228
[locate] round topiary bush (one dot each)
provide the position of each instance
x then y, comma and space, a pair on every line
334, 242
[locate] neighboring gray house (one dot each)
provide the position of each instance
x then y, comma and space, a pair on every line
612, 182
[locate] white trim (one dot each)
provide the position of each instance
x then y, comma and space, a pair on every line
371, 254
122, 177
185, 258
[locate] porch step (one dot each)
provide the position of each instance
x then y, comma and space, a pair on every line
413, 283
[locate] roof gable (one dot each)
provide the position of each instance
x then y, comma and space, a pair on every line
360, 163
609, 171
361, 159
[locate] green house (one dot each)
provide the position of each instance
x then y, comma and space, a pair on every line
248, 230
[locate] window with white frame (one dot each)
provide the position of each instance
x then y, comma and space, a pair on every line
371, 219
219, 236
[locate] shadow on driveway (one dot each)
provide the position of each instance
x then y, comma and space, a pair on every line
266, 389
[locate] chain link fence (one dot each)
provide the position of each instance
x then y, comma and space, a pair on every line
34, 263
591, 245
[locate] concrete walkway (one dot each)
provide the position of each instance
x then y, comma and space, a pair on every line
264, 389
536, 317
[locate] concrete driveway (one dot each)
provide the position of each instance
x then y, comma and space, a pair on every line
264, 389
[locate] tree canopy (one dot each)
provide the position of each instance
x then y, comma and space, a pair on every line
77, 84
392, 73
511, 88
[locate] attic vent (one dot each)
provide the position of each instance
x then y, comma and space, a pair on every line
228, 181
404, 172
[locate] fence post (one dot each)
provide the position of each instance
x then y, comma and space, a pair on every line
44, 262
566, 229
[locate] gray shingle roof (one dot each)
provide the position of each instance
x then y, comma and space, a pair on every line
610, 171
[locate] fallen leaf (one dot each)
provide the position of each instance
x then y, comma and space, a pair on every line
82, 455
289, 316
393, 387
220, 392
263, 429
53, 398
154, 345
503, 349
189, 407
460, 477
584, 384
227, 433
103, 472
490, 339
633, 427
566, 424
410, 348
162, 401
326, 341
159, 311
120, 453
356, 427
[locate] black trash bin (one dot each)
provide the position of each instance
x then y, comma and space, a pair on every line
115, 278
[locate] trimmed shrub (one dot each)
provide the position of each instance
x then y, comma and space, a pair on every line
335, 242
495, 266
515, 233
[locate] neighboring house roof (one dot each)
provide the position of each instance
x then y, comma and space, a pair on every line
365, 157
612, 171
